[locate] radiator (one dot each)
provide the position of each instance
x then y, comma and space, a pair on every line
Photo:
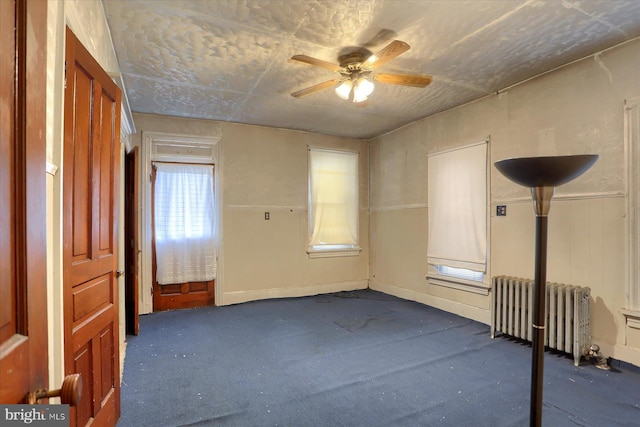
567, 314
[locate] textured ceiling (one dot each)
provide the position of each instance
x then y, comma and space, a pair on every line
229, 59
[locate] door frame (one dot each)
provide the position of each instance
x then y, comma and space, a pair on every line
159, 146
132, 240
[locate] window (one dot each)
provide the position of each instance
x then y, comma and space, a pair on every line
457, 203
461, 273
333, 203
184, 223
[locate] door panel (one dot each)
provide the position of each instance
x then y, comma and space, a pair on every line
91, 154
23, 306
82, 363
182, 295
106, 199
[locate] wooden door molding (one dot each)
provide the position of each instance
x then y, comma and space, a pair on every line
90, 235
23, 307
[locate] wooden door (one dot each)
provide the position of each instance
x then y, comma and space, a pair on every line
132, 244
176, 296
90, 205
23, 306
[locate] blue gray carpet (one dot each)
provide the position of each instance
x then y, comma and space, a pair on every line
353, 359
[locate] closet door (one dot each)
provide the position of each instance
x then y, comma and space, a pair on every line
23, 289
90, 235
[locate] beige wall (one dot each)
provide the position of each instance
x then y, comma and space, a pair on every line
265, 170
574, 110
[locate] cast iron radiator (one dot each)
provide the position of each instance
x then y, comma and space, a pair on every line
567, 319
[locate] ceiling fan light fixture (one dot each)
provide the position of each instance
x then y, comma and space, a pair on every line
362, 89
344, 90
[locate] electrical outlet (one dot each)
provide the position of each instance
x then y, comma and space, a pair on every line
266, 216
501, 210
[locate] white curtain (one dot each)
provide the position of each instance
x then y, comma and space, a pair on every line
184, 223
333, 199
457, 203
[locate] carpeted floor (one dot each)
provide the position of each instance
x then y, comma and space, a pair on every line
353, 359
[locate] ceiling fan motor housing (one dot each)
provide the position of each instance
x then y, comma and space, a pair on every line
352, 60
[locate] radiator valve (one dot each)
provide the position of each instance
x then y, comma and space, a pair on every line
600, 360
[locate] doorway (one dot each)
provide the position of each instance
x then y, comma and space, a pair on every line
170, 148
184, 249
132, 242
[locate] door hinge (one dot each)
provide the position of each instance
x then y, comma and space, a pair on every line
65, 74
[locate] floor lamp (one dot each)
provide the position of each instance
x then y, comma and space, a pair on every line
542, 175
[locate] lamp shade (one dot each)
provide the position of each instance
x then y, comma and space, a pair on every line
545, 171
365, 86
344, 90
362, 89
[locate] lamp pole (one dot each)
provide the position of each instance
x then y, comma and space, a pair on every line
542, 202
542, 175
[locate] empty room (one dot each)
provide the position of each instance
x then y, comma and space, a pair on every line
321, 212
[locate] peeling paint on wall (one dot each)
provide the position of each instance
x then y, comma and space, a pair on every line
598, 58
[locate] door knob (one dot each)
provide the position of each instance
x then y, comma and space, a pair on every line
70, 393
119, 273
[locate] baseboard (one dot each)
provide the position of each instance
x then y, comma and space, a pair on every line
238, 297
123, 353
619, 352
464, 310
621, 364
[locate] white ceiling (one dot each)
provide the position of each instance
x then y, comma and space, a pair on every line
229, 59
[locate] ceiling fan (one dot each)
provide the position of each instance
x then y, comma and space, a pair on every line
357, 74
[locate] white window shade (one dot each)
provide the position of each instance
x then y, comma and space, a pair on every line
457, 203
333, 200
184, 223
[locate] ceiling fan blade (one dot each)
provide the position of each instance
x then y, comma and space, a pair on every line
315, 88
317, 62
386, 54
403, 79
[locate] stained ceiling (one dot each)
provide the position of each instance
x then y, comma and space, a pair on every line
229, 59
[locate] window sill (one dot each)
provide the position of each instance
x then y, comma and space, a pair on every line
333, 253
457, 283
633, 318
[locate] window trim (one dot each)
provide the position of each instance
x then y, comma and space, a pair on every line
459, 283
632, 136
331, 253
